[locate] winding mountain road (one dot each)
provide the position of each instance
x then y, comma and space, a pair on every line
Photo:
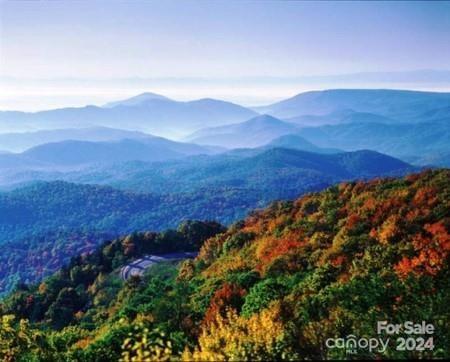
138, 267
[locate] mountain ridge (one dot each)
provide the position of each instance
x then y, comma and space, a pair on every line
135, 100
398, 104
77, 153
240, 167
154, 116
21, 141
254, 132
412, 142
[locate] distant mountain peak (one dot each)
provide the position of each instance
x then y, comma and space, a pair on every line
289, 140
396, 104
136, 100
151, 95
263, 120
211, 101
255, 132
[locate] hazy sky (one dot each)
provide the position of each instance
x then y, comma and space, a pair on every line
59, 52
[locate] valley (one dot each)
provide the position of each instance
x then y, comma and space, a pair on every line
357, 251
70, 188
202, 181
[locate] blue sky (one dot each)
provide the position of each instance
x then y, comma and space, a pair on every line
224, 42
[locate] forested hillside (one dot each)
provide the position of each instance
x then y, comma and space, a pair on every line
274, 286
61, 219
252, 169
42, 226
424, 143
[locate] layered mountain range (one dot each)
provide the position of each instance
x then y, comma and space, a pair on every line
411, 125
84, 174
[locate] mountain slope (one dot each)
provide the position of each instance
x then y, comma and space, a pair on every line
162, 117
252, 133
416, 143
437, 114
68, 154
79, 153
275, 286
19, 142
137, 100
222, 189
338, 117
61, 220
327, 265
297, 142
396, 104
268, 172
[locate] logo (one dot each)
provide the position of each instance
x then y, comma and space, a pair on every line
419, 337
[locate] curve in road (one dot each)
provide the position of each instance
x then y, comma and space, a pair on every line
138, 267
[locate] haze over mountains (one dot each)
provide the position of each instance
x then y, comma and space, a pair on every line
271, 174
297, 142
96, 171
255, 132
19, 142
426, 143
265, 168
162, 116
338, 117
223, 180
75, 153
156, 196
158, 115
137, 100
410, 125
414, 126
401, 105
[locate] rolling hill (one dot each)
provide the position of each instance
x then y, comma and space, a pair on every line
137, 100
222, 188
437, 114
19, 142
297, 142
271, 172
421, 143
338, 117
400, 105
75, 154
155, 115
51, 222
255, 132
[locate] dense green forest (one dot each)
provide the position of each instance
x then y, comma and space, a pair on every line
44, 224
274, 286
253, 169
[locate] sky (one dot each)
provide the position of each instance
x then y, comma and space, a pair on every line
60, 53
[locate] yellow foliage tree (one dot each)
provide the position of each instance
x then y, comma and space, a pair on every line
18, 340
146, 345
261, 337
